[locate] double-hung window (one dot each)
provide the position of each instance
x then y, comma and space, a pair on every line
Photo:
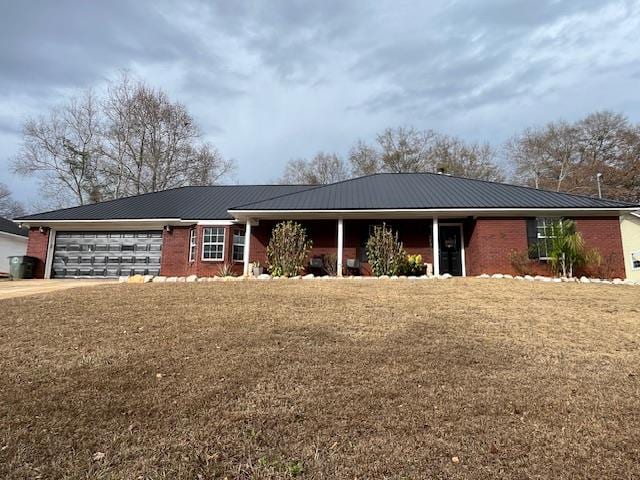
541, 232
213, 243
238, 244
192, 245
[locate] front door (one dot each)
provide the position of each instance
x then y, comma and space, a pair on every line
450, 250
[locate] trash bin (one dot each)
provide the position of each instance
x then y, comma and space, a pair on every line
21, 266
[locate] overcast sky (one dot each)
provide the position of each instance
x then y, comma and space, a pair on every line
273, 80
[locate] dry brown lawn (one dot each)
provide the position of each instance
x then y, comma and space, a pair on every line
382, 379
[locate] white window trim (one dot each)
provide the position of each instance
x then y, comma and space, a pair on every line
193, 245
224, 239
234, 244
633, 267
547, 222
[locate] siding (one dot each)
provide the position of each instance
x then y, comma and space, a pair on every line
630, 231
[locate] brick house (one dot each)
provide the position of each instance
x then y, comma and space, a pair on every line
474, 226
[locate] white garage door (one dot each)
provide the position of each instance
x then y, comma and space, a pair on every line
106, 254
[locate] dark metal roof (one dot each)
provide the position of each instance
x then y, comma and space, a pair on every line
390, 191
189, 203
381, 191
7, 226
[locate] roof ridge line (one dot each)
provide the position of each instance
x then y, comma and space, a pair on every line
313, 188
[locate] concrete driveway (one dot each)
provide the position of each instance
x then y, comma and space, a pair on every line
21, 288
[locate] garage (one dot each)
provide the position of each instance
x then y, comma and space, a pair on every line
106, 254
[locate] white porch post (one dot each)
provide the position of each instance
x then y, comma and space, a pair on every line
340, 246
436, 247
247, 246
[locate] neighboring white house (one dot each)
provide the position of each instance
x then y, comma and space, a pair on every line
630, 228
13, 241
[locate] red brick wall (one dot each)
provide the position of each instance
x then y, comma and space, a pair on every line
175, 254
37, 247
489, 242
603, 233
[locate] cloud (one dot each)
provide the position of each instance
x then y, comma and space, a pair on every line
270, 81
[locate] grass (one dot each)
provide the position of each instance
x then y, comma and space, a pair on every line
462, 378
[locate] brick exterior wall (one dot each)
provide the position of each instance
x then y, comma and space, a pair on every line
603, 233
37, 247
488, 243
175, 254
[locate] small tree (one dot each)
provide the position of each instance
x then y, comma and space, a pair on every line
567, 251
385, 252
288, 249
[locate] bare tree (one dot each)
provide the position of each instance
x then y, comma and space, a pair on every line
153, 144
133, 140
405, 149
471, 160
364, 160
567, 157
322, 169
9, 208
63, 150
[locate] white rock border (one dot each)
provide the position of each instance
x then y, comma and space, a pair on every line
311, 276
542, 278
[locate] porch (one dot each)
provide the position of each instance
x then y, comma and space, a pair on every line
346, 240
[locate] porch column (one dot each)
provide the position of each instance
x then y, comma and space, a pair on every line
340, 246
247, 247
436, 247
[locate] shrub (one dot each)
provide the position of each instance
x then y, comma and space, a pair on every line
598, 267
226, 270
385, 252
412, 265
568, 251
330, 264
288, 249
521, 262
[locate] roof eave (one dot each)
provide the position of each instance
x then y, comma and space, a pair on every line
243, 215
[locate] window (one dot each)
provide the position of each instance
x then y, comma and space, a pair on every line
192, 245
635, 260
541, 232
238, 244
213, 243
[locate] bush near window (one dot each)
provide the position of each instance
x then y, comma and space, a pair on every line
385, 252
568, 251
521, 261
288, 249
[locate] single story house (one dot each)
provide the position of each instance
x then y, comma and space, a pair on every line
473, 226
13, 241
